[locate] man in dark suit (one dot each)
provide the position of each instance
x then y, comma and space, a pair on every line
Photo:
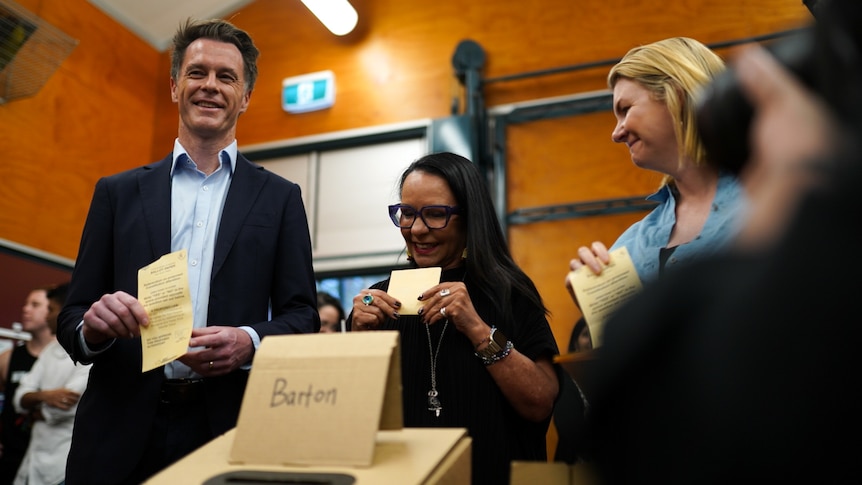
249, 266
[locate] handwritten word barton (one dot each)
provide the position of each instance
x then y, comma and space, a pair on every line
281, 396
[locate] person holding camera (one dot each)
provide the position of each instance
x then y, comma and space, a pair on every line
754, 375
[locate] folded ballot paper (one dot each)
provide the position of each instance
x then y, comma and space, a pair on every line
600, 295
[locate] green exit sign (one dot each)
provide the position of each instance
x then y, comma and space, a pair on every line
308, 92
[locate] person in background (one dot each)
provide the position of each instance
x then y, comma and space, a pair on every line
50, 393
479, 354
331, 313
699, 206
580, 339
755, 375
14, 365
249, 267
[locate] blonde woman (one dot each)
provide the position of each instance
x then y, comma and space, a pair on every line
654, 101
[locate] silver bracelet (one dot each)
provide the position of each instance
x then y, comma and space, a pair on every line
499, 355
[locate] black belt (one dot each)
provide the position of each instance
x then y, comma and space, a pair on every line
181, 391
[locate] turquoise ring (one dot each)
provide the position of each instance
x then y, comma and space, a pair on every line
367, 299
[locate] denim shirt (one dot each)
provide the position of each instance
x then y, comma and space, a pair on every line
645, 238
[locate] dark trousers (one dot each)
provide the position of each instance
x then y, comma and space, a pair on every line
180, 427
9, 464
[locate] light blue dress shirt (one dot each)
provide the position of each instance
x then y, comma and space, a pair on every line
645, 238
197, 200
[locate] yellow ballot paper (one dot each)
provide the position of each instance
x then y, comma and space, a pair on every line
407, 284
600, 295
163, 289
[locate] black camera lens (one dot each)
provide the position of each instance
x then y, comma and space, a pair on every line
723, 121
724, 114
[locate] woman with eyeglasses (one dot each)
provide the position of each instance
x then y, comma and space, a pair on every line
479, 354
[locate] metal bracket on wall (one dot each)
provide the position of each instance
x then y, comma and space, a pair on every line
468, 61
555, 108
539, 110
579, 209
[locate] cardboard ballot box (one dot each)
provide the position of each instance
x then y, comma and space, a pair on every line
328, 405
410, 456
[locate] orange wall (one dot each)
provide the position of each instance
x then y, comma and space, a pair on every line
397, 65
94, 116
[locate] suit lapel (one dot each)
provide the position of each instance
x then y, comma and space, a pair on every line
245, 186
154, 183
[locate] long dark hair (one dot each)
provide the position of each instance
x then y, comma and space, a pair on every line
490, 266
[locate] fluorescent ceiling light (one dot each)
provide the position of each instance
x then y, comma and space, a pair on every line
338, 16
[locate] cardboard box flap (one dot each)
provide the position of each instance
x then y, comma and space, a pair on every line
319, 399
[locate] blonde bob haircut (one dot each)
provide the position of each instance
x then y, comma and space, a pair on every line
673, 70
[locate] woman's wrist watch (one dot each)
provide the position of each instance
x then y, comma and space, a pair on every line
497, 349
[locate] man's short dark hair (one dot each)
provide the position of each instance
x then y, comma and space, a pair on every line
219, 30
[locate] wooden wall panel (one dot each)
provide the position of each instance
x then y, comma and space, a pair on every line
571, 159
93, 117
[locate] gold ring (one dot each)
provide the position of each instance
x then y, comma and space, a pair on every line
211, 365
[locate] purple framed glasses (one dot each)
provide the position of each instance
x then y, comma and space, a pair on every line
434, 216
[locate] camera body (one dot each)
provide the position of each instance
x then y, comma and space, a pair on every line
824, 57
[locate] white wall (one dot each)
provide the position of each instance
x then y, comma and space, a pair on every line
346, 192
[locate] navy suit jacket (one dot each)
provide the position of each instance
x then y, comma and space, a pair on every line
262, 262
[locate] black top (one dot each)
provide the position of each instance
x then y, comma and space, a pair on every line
14, 427
664, 255
742, 365
468, 394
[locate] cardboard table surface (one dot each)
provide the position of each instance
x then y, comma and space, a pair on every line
405, 456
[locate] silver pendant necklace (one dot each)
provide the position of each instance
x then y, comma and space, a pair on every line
434, 404
433, 401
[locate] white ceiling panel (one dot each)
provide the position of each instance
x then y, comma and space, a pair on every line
156, 21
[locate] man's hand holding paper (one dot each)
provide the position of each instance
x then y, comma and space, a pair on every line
163, 290
114, 315
218, 350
